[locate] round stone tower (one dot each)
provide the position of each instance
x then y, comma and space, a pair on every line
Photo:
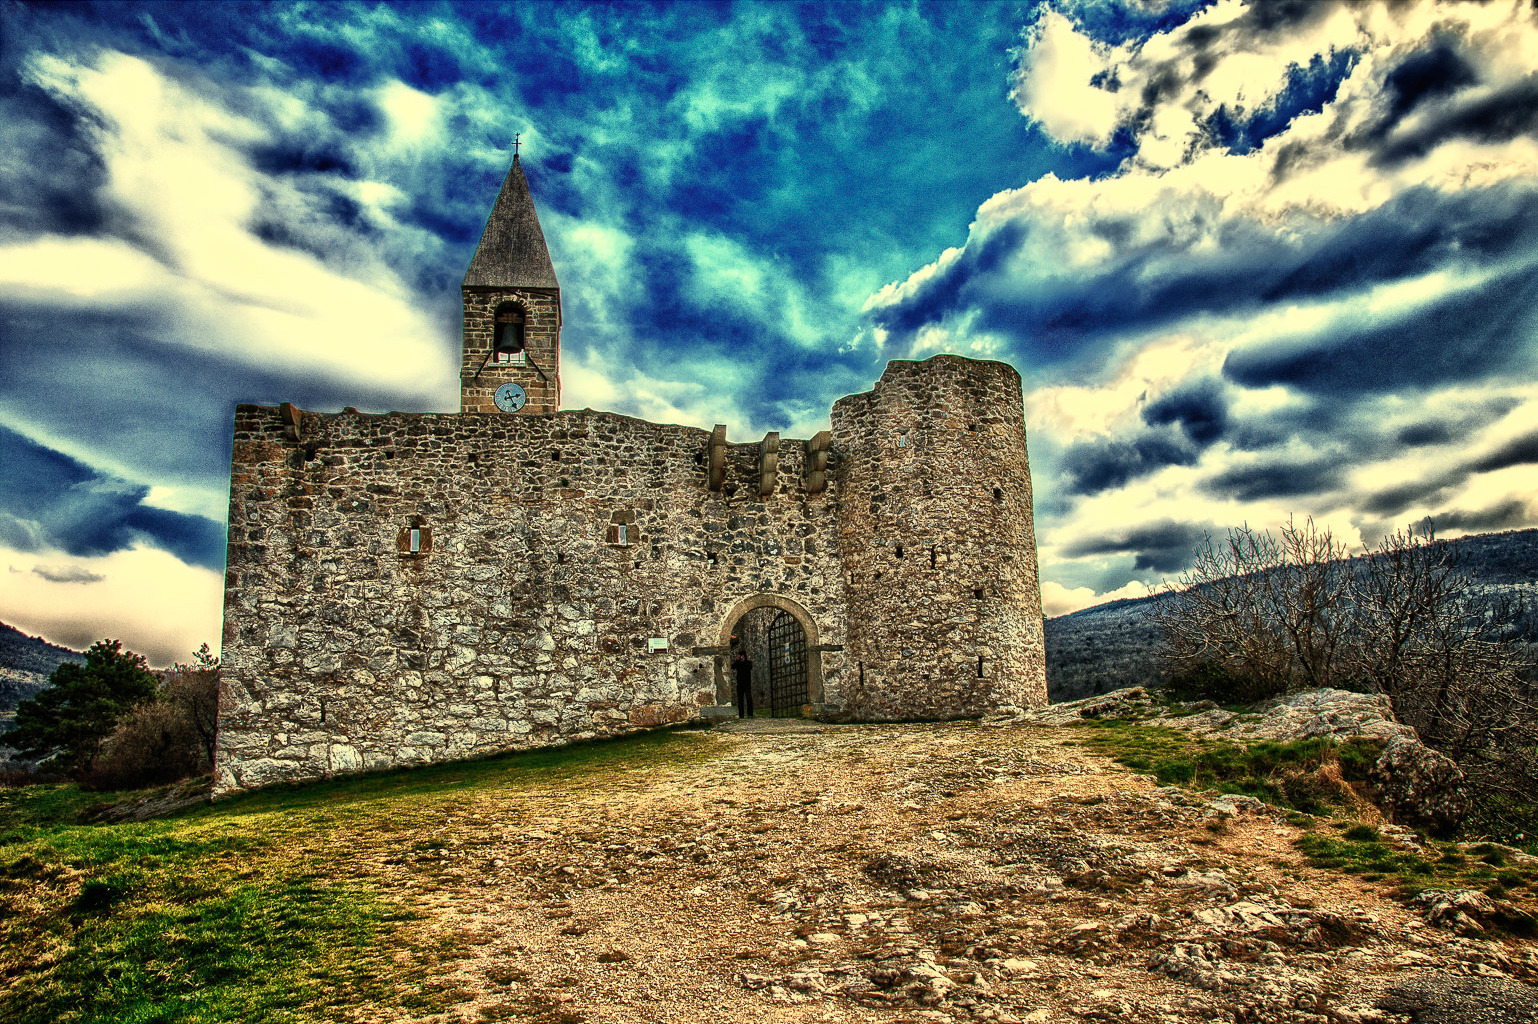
938, 544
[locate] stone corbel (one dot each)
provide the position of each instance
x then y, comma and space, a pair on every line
817, 462
768, 463
716, 457
291, 414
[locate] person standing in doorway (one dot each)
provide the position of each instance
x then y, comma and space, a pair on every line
743, 667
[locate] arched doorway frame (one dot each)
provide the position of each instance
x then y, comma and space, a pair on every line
801, 615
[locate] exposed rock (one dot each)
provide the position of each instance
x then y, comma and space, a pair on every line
1413, 784
1461, 910
1416, 785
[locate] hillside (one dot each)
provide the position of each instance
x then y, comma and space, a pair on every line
762, 871
26, 662
1112, 645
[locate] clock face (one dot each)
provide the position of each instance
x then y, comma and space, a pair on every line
510, 397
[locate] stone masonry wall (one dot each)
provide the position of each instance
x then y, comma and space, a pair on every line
520, 620
938, 543
541, 335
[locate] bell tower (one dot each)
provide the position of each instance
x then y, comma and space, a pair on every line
511, 352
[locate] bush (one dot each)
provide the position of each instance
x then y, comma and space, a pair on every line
1258, 615
166, 739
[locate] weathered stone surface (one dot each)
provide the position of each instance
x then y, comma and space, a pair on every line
1413, 784
551, 551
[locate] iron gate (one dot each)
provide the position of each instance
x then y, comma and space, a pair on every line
787, 666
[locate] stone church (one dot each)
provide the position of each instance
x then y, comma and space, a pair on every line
409, 588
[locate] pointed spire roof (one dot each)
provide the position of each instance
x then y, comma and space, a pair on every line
512, 253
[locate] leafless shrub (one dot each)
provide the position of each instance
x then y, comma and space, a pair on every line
1258, 615
1265, 611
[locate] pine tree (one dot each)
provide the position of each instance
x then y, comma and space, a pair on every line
82, 705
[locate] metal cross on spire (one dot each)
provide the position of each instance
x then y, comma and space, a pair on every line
515, 143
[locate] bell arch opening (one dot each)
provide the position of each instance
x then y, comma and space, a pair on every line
784, 643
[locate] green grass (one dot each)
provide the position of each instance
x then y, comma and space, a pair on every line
1285, 774
256, 908
1360, 851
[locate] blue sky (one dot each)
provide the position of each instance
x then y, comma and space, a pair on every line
1251, 261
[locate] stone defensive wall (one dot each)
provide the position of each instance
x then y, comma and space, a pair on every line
411, 588
403, 589
938, 543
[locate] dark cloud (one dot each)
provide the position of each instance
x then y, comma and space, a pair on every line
1199, 407
1163, 546
1519, 451
1275, 479
1153, 286
429, 68
1505, 516
1104, 463
1464, 337
1438, 71
57, 187
1277, 17
1418, 435
72, 507
67, 574
1500, 117
1394, 500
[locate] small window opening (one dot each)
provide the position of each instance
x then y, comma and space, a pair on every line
622, 534
507, 346
998, 494
932, 557
979, 668
555, 456
862, 673
416, 542
322, 712
902, 440
977, 592
560, 558
899, 551
972, 427
711, 558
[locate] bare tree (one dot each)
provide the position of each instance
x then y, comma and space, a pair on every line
1265, 610
1423, 636
1260, 615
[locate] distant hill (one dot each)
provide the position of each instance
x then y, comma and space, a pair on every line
1112, 645
26, 662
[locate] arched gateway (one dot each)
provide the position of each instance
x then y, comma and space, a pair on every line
789, 649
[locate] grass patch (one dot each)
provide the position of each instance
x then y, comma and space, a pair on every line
258, 908
1359, 850
1305, 775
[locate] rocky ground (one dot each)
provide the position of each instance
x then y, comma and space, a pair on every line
952, 872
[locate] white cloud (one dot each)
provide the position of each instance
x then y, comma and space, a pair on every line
1053, 86
177, 172
157, 605
1057, 599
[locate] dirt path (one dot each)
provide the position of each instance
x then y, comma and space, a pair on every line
910, 873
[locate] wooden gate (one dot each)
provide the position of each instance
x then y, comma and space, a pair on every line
787, 666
